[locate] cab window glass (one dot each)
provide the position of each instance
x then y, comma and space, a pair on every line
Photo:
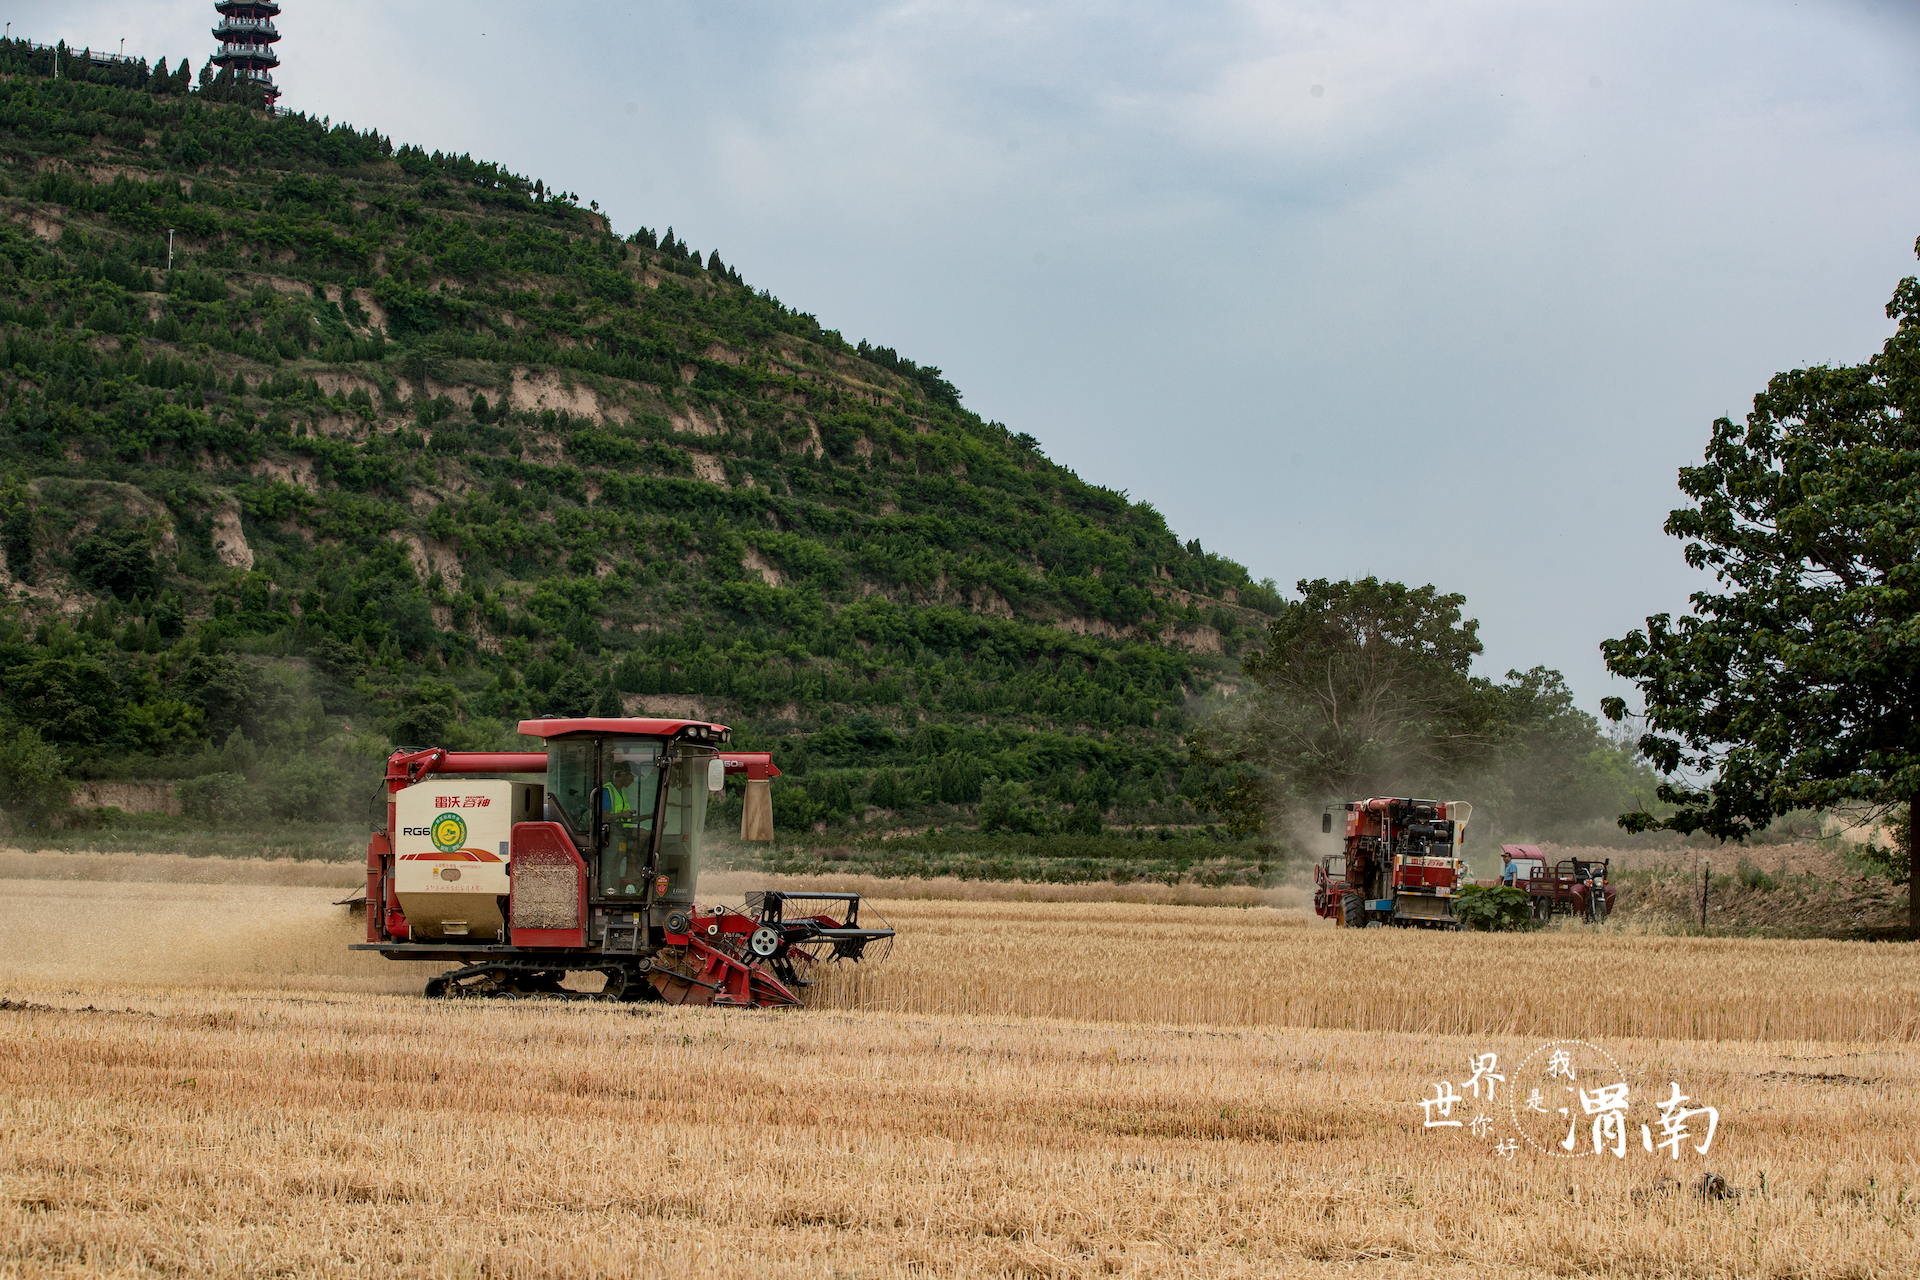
570, 781
683, 825
627, 803
633, 784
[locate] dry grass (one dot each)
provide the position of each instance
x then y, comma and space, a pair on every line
1028, 1088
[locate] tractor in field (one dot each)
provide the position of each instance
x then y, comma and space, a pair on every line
1576, 887
1399, 864
523, 867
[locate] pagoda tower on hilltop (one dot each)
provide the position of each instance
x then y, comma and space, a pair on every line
246, 35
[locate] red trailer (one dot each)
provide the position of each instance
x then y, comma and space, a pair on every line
1576, 887
522, 867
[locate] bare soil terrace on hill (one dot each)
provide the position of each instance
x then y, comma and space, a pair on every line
198, 1078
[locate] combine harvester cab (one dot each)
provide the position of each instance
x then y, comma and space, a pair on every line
1400, 864
522, 867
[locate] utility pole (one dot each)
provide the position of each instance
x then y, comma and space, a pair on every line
1706, 879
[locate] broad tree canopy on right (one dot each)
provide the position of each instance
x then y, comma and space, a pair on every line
1796, 685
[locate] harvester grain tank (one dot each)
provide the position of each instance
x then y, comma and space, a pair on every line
1400, 864
522, 867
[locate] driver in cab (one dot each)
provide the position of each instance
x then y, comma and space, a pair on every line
623, 862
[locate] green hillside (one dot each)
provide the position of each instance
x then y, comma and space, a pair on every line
405, 447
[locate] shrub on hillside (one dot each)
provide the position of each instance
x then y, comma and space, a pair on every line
33, 779
217, 798
304, 790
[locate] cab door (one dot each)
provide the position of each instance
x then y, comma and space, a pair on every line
629, 794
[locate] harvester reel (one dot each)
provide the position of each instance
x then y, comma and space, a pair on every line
802, 961
851, 949
764, 941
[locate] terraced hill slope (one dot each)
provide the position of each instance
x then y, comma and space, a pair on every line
404, 447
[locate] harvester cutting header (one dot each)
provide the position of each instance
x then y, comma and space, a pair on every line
525, 866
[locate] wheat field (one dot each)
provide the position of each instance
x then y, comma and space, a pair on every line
197, 1079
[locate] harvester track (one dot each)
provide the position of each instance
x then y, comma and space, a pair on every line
539, 980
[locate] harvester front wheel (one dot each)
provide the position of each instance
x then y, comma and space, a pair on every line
1353, 913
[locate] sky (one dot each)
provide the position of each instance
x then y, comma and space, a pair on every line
1440, 292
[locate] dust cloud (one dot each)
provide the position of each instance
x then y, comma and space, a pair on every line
80, 922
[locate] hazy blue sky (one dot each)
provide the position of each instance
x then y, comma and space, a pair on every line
1442, 292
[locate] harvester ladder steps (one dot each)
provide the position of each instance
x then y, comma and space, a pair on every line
624, 936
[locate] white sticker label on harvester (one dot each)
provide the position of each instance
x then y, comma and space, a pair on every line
441, 829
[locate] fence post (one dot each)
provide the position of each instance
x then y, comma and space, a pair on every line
1706, 878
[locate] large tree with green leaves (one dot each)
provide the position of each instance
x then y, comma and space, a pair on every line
1796, 684
1559, 771
1359, 685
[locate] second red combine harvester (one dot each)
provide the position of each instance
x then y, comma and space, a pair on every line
523, 867
1400, 865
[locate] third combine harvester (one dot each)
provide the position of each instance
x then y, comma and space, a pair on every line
1400, 864
522, 867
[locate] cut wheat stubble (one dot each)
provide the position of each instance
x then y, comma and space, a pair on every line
1063, 1089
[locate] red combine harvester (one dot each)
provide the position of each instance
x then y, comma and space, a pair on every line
1575, 887
523, 867
1400, 864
